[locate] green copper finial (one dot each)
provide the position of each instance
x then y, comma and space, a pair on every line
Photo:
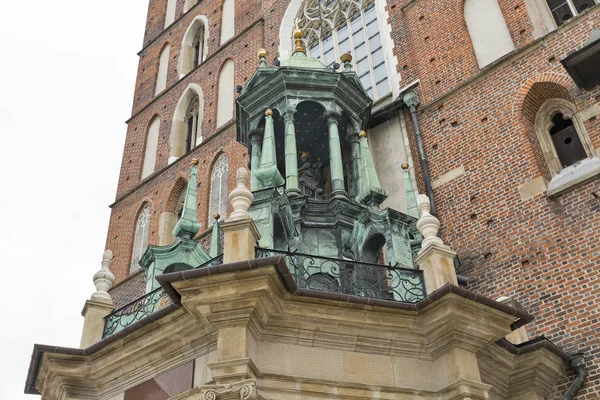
187, 226
215, 238
267, 174
412, 208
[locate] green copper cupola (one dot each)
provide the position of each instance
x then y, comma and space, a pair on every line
315, 184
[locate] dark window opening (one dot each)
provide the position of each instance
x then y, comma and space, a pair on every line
198, 45
566, 141
564, 10
190, 135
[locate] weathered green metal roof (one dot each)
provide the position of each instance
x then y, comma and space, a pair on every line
301, 60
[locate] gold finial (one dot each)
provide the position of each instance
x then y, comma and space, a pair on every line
269, 112
346, 57
363, 134
405, 166
217, 216
195, 161
262, 53
298, 35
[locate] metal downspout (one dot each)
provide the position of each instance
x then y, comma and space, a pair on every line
411, 100
578, 366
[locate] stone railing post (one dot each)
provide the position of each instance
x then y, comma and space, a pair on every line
239, 231
435, 258
99, 305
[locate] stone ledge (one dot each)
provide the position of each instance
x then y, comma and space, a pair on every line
573, 175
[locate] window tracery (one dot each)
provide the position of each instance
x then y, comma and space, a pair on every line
191, 121
335, 27
218, 188
140, 242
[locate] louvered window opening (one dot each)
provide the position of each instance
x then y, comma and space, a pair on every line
564, 10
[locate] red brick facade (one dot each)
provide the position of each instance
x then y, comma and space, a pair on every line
542, 252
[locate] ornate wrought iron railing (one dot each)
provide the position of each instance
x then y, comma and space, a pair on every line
354, 278
135, 311
144, 306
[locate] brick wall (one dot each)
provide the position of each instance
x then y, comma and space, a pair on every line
542, 252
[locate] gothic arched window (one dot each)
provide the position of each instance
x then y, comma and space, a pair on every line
140, 243
186, 130
218, 188
195, 45
335, 27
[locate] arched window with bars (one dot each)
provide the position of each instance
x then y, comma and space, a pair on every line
218, 188
335, 27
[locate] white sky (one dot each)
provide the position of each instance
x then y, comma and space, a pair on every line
67, 74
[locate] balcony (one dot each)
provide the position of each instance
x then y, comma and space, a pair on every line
383, 282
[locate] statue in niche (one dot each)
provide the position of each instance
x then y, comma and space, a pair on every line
310, 177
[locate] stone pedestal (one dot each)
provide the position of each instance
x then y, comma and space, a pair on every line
437, 263
239, 239
93, 313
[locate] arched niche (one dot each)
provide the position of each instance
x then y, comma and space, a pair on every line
489, 34
163, 69
226, 93
228, 20
151, 147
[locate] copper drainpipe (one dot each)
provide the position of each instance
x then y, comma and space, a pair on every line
411, 101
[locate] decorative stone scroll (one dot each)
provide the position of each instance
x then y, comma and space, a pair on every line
245, 390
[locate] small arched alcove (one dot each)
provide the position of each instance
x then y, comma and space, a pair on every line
177, 267
279, 237
373, 249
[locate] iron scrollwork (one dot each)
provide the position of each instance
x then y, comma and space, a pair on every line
135, 311
144, 306
353, 278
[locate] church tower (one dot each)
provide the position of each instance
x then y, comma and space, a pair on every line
360, 199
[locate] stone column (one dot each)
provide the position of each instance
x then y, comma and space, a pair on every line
291, 155
354, 140
335, 157
435, 258
239, 231
99, 305
256, 145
